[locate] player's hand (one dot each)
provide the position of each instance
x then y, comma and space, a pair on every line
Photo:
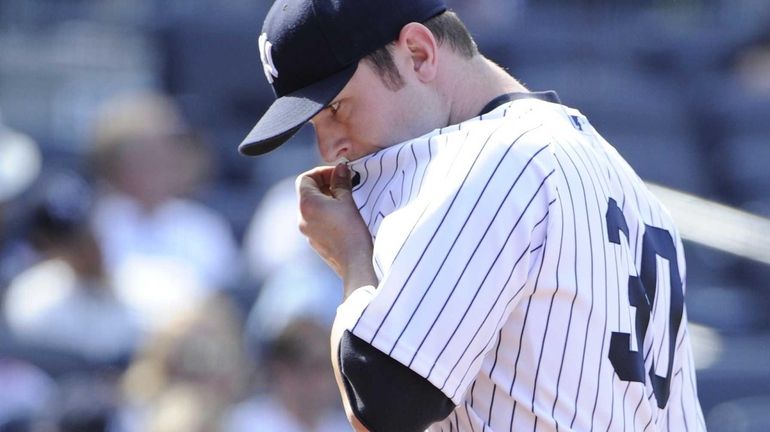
330, 220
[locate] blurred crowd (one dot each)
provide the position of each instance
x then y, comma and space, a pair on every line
152, 279
129, 306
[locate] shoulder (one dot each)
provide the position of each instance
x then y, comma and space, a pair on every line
513, 136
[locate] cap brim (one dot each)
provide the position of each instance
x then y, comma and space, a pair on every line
289, 113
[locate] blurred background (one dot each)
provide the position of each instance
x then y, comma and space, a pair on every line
152, 279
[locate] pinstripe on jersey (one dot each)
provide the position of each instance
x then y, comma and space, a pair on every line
499, 281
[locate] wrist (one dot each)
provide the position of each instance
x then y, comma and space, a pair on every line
356, 268
358, 272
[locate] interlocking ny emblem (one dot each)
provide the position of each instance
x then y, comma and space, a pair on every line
266, 55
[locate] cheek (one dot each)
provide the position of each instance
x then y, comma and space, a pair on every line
362, 133
378, 125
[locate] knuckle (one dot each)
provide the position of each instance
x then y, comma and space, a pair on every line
307, 207
303, 227
298, 181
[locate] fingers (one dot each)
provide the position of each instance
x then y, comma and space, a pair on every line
313, 190
308, 186
321, 175
327, 180
324, 193
341, 181
314, 181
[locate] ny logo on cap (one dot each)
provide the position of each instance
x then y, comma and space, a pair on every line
266, 55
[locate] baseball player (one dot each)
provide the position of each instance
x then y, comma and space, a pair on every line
503, 267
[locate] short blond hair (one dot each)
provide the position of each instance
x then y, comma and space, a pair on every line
127, 119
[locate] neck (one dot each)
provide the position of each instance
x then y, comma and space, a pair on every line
479, 81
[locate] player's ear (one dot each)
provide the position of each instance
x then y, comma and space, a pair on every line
422, 49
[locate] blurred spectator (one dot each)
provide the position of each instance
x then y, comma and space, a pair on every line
189, 372
66, 302
27, 395
304, 288
295, 282
731, 104
739, 124
185, 407
301, 395
163, 248
752, 66
87, 402
272, 239
20, 163
289, 325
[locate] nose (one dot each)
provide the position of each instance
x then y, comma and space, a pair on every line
332, 143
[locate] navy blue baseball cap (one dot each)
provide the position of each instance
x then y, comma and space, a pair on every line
310, 49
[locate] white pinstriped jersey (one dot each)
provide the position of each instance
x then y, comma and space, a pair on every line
527, 272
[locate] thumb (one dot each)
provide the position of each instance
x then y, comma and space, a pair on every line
341, 181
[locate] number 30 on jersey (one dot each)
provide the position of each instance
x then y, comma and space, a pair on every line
628, 364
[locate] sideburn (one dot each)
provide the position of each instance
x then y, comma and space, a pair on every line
383, 63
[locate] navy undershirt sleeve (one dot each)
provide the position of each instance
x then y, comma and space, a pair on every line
385, 395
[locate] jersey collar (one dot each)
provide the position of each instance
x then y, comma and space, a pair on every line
548, 96
361, 164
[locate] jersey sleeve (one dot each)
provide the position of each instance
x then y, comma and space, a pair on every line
456, 260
